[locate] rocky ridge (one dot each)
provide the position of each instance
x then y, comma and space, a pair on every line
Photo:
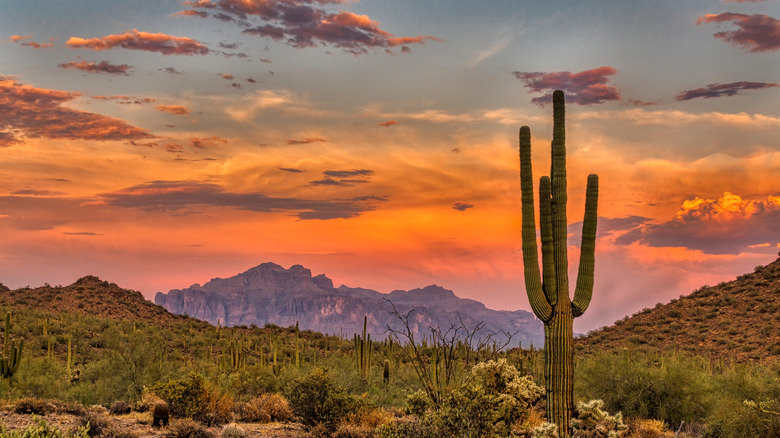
270, 294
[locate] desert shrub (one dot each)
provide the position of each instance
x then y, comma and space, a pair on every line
545, 430
233, 431
592, 421
248, 412
187, 428
672, 389
193, 398
42, 429
648, 429
317, 401
97, 424
410, 426
34, 406
119, 408
274, 405
146, 402
347, 430
492, 400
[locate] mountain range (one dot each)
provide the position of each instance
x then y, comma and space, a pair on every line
271, 294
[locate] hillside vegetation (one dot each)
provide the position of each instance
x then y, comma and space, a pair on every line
704, 364
736, 320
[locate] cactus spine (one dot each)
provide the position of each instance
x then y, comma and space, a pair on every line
12, 353
548, 292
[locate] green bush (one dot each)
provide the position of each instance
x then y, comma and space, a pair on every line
193, 398
317, 401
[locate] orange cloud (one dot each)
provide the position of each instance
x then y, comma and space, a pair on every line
388, 123
307, 140
33, 44
39, 112
177, 110
102, 67
138, 40
208, 142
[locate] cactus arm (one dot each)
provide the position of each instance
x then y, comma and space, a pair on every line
533, 280
584, 289
546, 230
559, 196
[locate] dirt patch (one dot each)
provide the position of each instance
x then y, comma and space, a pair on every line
141, 424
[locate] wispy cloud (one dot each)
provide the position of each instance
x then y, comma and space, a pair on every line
176, 110
127, 100
39, 112
462, 206
388, 123
139, 40
33, 44
307, 140
344, 178
720, 90
755, 33
305, 23
208, 142
104, 67
584, 88
184, 196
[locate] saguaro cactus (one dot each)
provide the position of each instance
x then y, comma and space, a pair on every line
548, 292
12, 354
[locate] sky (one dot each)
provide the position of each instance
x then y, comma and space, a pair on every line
161, 143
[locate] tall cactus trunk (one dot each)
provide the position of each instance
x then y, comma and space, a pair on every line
548, 291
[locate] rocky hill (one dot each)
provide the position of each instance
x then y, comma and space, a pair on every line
271, 294
87, 296
736, 320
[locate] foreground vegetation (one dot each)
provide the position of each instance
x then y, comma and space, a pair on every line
216, 375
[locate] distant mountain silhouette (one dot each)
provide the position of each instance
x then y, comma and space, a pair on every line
270, 294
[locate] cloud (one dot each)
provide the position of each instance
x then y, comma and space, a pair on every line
191, 13
208, 142
176, 110
307, 140
127, 100
675, 118
39, 112
727, 225
720, 90
102, 67
388, 123
181, 196
8, 139
290, 169
82, 233
743, 1
33, 44
171, 71
462, 206
755, 33
343, 178
305, 23
226, 76
138, 40
584, 88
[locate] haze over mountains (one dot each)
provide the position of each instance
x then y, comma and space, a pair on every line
268, 293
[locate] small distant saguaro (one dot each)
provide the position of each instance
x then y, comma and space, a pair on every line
548, 291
